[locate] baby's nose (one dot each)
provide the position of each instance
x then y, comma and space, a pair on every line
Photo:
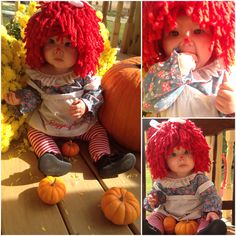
58, 50
187, 38
181, 157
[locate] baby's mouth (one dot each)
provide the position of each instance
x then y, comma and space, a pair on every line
58, 59
182, 165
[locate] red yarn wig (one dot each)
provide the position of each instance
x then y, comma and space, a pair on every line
218, 15
63, 19
169, 135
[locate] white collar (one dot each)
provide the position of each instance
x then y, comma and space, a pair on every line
205, 73
177, 183
52, 80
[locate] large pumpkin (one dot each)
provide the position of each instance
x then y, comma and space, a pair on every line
120, 113
186, 227
169, 224
120, 206
51, 190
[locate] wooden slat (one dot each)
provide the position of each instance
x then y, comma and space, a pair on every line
116, 27
128, 31
130, 180
81, 205
22, 210
105, 6
135, 47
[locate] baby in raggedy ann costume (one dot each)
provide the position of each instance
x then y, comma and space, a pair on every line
63, 46
178, 155
189, 49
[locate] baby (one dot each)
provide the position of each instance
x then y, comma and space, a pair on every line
63, 46
178, 155
188, 48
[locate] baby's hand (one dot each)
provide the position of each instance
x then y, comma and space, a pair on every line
78, 108
226, 98
152, 200
212, 216
11, 99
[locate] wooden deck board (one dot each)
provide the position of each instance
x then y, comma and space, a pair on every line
79, 213
81, 205
22, 210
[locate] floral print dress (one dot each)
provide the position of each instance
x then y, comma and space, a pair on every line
169, 92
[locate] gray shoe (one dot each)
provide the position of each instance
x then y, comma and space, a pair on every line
52, 165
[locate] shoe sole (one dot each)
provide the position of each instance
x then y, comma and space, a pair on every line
50, 165
125, 164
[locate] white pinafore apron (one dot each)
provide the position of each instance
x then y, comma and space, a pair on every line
53, 117
184, 207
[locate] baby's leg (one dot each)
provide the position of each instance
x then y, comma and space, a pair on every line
98, 141
108, 165
215, 227
156, 221
50, 161
42, 143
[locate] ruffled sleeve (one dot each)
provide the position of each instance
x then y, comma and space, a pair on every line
209, 197
160, 196
30, 99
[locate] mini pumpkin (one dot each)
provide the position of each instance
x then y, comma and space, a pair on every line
51, 190
120, 206
169, 224
70, 149
186, 227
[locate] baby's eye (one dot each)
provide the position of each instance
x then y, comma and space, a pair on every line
186, 152
198, 31
51, 41
173, 154
174, 33
68, 44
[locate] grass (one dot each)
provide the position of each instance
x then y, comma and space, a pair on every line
148, 180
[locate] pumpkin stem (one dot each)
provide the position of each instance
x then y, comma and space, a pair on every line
52, 184
121, 198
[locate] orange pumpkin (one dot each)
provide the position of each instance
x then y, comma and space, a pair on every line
51, 190
186, 227
120, 206
120, 113
70, 149
169, 224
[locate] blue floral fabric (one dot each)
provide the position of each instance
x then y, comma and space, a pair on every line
164, 83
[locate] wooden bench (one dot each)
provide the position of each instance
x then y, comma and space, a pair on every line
79, 212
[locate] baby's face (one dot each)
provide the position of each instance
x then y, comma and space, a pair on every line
180, 162
60, 54
189, 38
